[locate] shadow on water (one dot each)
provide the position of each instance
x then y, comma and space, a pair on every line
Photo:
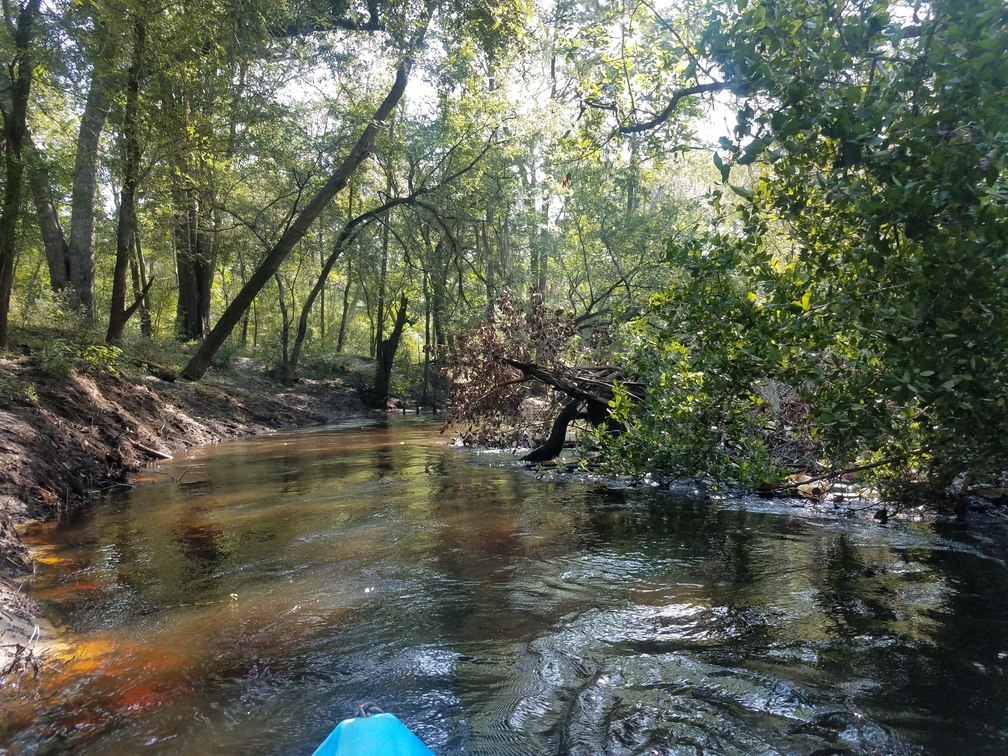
249, 595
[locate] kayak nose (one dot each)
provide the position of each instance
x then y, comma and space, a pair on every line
380, 734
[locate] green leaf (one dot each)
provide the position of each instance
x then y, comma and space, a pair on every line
721, 167
741, 191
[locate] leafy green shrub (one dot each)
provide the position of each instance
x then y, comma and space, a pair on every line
864, 268
101, 358
162, 351
54, 358
697, 354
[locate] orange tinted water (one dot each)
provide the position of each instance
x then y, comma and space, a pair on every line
247, 596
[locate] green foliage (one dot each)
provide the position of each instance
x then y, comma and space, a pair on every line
101, 358
699, 353
13, 391
867, 267
54, 358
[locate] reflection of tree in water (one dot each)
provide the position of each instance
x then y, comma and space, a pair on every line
474, 541
480, 544
382, 446
670, 527
198, 543
852, 600
292, 473
949, 670
197, 538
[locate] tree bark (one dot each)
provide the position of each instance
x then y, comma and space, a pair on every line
80, 253
386, 355
285, 320
194, 264
379, 318
200, 361
14, 104
71, 261
119, 312
345, 316
141, 285
483, 240
553, 445
53, 238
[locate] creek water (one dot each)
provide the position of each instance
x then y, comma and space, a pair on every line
246, 597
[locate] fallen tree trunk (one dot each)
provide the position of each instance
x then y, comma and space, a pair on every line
553, 445
590, 389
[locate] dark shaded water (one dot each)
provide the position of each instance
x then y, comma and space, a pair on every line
500, 614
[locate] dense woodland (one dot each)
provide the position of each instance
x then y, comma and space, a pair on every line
459, 188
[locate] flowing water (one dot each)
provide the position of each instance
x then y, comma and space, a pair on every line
248, 596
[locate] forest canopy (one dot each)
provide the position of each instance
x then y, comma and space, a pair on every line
784, 222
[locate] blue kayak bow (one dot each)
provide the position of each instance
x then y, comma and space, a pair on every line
381, 735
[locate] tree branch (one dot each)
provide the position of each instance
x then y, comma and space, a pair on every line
668, 110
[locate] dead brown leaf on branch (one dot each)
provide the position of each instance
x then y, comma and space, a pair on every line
492, 402
516, 380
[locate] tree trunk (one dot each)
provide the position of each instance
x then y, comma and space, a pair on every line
245, 315
341, 338
427, 338
53, 238
285, 316
553, 445
80, 254
544, 242
379, 319
71, 262
14, 104
200, 361
141, 286
194, 264
322, 306
386, 355
119, 312
483, 240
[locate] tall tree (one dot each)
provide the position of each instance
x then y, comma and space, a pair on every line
15, 88
126, 227
296, 231
71, 258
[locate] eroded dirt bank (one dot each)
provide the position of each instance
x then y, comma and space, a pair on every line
62, 440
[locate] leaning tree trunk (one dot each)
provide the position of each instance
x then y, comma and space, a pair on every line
589, 390
552, 446
302, 223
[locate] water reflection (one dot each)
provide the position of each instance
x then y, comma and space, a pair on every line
500, 614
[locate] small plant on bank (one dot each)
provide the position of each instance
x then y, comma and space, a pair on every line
54, 358
101, 358
13, 391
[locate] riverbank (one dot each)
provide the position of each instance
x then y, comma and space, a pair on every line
64, 440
